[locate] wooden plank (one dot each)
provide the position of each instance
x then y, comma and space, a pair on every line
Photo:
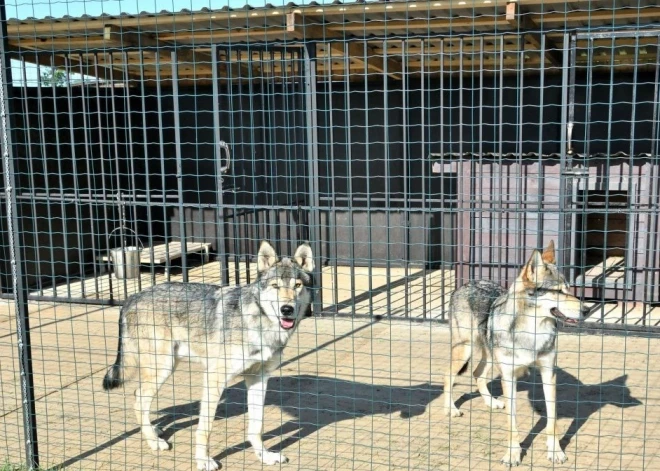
158, 254
609, 274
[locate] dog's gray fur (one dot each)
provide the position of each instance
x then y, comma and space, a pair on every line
515, 329
232, 331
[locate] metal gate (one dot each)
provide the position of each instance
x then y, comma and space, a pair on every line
611, 185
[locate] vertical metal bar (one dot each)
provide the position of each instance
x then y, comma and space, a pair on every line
631, 212
349, 172
608, 153
179, 164
147, 171
501, 181
520, 196
269, 173
231, 99
163, 181
406, 214
60, 173
275, 178
477, 175
569, 189
74, 172
104, 193
89, 170
388, 206
574, 229
563, 149
313, 166
220, 211
425, 215
367, 163
332, 214
31, 171
118, 177
443, 202
267, 165
19, 278
131, 155
44, 153
460, 162
540, 181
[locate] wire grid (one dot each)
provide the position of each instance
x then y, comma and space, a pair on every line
416, 145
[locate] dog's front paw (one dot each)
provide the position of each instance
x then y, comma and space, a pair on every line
158, 444
558, 456
495, 403
453, 412
555, 453
512, 456
271, 458
207, 464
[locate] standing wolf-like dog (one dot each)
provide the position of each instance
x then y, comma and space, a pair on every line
232, 331
515, 328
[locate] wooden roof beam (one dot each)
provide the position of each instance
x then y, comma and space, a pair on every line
366, 57
524, 23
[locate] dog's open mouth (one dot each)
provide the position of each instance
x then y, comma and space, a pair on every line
287, 323
560, 315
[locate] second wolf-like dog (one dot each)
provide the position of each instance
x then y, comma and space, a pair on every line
231, 331
515, 329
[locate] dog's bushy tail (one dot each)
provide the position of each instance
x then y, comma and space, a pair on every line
115, 375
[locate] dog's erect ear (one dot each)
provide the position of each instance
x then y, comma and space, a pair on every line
531, 268
266, 257
304, 257
549, 253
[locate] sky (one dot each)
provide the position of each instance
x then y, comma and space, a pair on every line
41, 8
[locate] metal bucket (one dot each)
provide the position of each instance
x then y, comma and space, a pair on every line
126, 261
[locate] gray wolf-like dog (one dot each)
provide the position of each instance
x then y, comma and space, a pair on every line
516, 329
231, 331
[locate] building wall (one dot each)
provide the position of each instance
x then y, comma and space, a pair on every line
374, 165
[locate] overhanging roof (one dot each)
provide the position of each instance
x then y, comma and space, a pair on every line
385, 37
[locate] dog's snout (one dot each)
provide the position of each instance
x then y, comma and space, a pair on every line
286, 310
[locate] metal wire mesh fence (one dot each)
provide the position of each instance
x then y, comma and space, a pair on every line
416, 147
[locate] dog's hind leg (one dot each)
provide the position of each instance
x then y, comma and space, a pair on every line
256, 386
460, 355
153, 373
555, 453
483, 377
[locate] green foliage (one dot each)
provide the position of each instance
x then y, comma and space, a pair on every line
48, 78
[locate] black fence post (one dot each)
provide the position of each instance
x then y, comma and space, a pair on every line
313, 168
19, 283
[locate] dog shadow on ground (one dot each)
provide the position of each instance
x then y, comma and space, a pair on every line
313, 402
575, 400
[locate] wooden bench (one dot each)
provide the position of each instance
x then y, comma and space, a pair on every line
606, 274
165, 253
